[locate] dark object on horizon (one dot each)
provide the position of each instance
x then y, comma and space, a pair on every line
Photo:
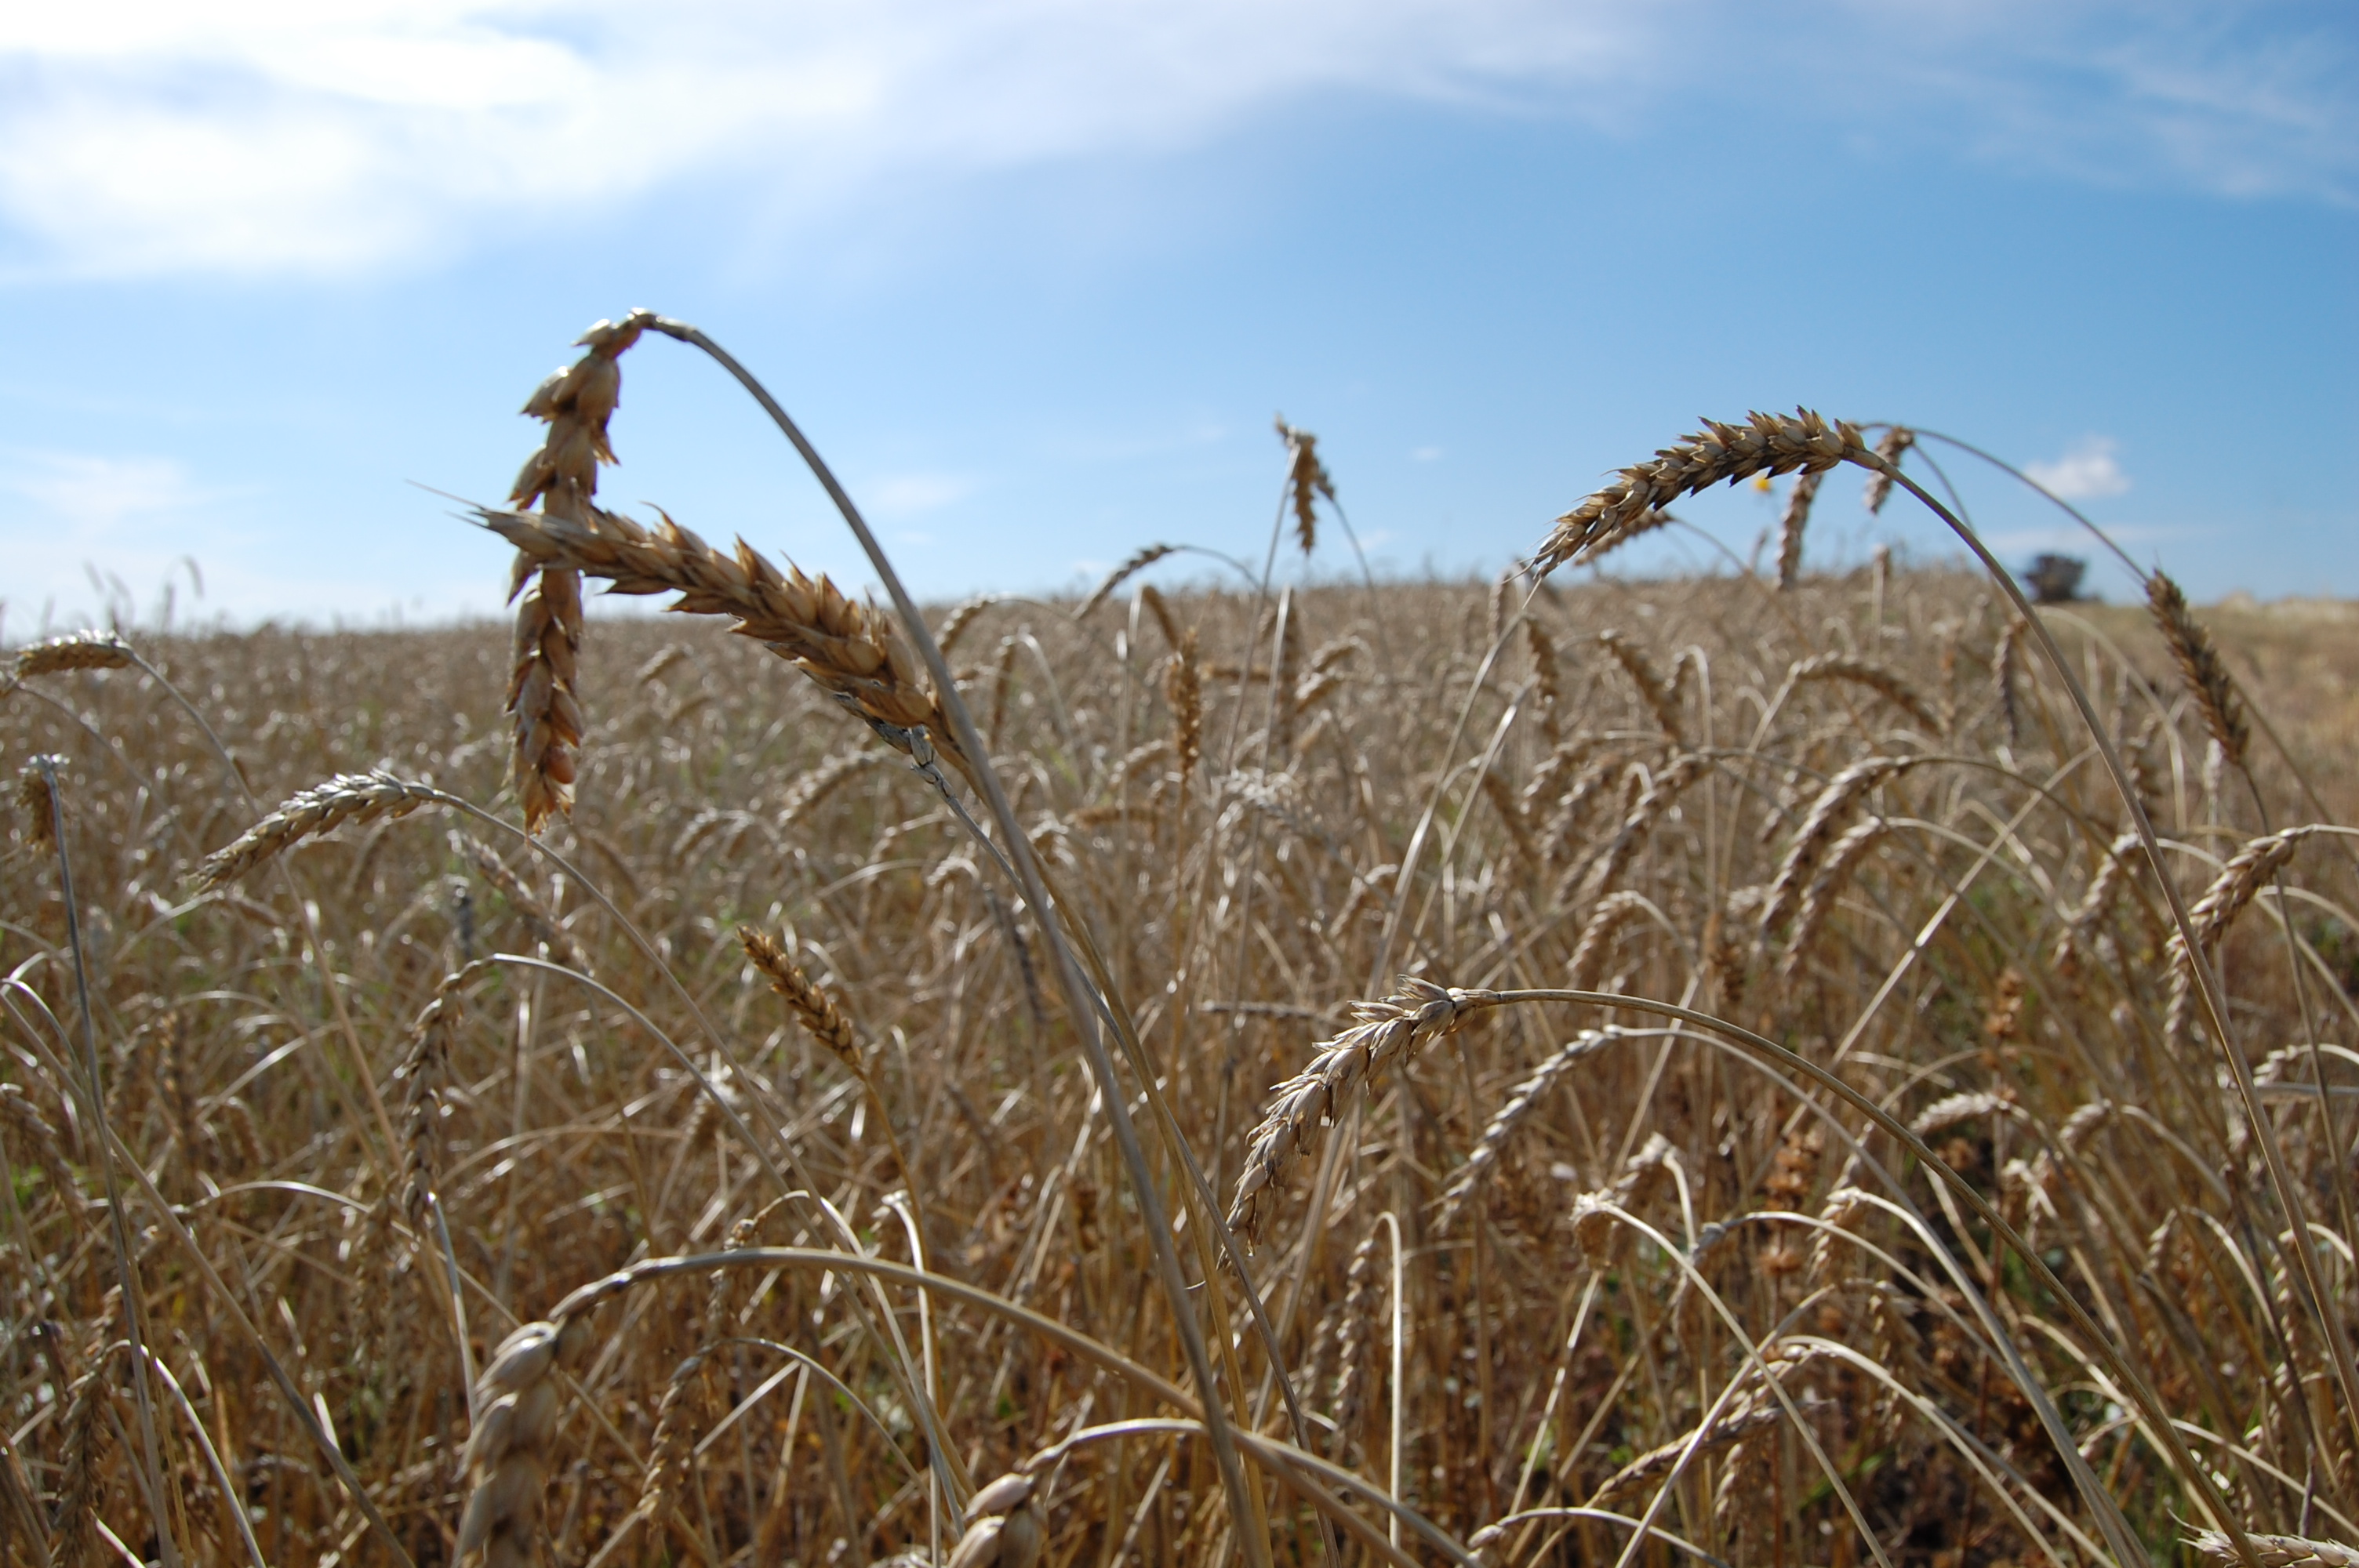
2055, 580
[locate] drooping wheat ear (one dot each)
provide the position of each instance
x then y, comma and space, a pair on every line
812, 1007
1828, 812
955, 623
2277, 1551
1547, 682
2103, 882
1658, 698
2248, 871
660, 662
2002, 660
1741, 1420
74, 651
1766, 443
1888, 447
1791, 522
1593, 1227
36, 1139
1137, 561
1394, 1029
1183, 689
1004, 1527
347, 797
561, 476
536, 915
19, 1514
1524, 1099
86, 1448
1613, 910
1542, 786
2201, 666
423, 1074
821, 781
854, 653
1663, 787
1307, 479
1882, 679
670, 1453
507, 1457
1510, 809
1826, 885
1846, 1213
1572, 807
1355, 1320
1955, 1111
36, 801
1160, 607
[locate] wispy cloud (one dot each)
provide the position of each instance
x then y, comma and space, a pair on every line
142, 137
2087, 472
910, 494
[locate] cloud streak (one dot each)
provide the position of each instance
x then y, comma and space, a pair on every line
272, 137
2088, 472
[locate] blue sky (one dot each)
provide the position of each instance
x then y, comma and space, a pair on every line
1035, 273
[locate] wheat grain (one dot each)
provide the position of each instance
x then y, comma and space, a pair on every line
812, 1007
1004, 1529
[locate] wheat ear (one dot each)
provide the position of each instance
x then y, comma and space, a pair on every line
1306, 479
2201, 665
2277, 1551
2239, 882
562, 476
854, 654
1138, 561
1661, 700
1765, 443
1394, 1029
1881, 679
1791, 522
1828, 812
1522, 1101
74, 651
347, 797
36, 800
1826, 885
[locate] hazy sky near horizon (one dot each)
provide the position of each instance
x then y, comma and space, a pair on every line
1035, 273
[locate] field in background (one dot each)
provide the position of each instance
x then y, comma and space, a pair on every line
1568, 1263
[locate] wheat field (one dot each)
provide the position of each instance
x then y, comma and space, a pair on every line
1566, 1070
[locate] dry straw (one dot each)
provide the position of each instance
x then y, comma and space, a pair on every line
1766, 443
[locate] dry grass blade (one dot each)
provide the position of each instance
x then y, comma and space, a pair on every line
1766, 443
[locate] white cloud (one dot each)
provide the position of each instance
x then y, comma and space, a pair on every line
907, 495
1425, 454
2085, 473
146, 136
